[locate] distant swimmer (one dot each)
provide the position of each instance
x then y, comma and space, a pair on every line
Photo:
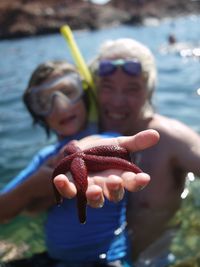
171, 39
180, 48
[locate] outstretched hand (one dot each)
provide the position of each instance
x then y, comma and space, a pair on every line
110, 183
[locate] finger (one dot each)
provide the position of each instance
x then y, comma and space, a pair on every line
114, 189
95, 196
65, 187
140, 141
133, 143
135, 182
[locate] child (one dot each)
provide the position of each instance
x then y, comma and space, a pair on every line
56, 100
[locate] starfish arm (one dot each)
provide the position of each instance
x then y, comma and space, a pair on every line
109, 151
61, 168
79, 173
71, 148
101, 163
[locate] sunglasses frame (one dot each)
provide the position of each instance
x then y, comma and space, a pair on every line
130, 67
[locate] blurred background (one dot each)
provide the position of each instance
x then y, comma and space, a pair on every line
29, 35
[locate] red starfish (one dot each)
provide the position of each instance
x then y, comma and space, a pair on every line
95, 159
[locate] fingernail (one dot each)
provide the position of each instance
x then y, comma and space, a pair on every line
100, 205
118, 195
116, 187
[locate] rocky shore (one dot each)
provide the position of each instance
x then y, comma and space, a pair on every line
22, 18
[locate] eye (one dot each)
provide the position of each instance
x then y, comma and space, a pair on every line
106, 87
133, 89
69, 92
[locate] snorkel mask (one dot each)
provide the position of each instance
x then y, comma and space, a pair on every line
68, 88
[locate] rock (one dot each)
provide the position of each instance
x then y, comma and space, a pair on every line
21, 18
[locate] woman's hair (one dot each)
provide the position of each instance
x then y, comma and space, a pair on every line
40, 75
125, 48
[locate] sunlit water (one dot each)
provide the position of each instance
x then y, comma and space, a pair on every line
176, 95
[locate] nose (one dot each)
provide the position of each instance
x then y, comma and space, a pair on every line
60, 103
119, 98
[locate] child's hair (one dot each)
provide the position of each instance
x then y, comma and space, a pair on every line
40, 75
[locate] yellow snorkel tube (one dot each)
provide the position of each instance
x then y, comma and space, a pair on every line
81, 65
80, 62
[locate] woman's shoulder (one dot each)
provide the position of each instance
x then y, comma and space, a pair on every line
165, 124
172, 130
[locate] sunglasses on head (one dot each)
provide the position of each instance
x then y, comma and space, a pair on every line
108, 67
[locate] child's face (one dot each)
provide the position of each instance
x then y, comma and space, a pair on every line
60, 101
67, 119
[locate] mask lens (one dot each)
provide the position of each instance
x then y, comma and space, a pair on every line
72, 93
40, 103
132, 67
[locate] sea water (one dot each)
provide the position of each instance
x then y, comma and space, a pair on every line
176, 95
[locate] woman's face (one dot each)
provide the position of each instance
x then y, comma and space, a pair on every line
121, 100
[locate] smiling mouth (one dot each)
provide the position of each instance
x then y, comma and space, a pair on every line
116, 116
67, 120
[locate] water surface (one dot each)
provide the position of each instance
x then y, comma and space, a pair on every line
176, 97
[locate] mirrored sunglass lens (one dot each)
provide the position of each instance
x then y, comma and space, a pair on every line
106, 68
133, 68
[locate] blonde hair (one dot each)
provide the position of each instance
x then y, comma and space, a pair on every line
125, 48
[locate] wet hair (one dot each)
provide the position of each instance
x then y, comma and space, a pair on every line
125, 48
40, 75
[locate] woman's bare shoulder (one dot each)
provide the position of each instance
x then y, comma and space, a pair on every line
172, 128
